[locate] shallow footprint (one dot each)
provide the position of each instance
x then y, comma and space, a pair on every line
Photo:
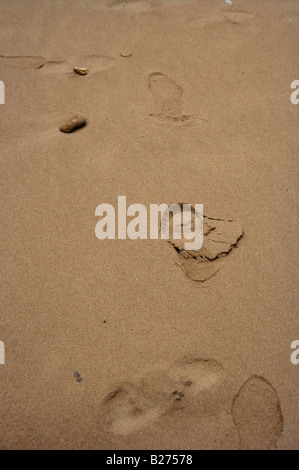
219, 238
191, 383
238, 17
201, 381
234, 17
169, 93
22, 62
135, 405
95, 63
135, 6
257, 415
197, 271
197, 374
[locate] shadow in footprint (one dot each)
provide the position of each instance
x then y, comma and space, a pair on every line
257, 415
169, 94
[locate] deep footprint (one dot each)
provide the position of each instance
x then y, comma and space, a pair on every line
169, 94
257, 415
219, 238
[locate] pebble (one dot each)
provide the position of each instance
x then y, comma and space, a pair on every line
126, 54
81, 71
77, 376
73, 123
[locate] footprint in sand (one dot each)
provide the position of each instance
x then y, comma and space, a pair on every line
202, 383
22, 62
235, 17
219, 238
238, 17
134, 6
129, 408
257, 415
140, 6
197, 374
95, 63
138, 404
169, 94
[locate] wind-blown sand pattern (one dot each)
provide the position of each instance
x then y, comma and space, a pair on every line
122, 344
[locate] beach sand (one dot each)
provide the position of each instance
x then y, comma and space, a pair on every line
185, 101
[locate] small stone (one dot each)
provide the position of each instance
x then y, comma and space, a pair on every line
77, 376
73, 123
126, 54
81, 70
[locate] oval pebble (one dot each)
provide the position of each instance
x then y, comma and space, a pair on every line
81, 71
73, 123
126, 54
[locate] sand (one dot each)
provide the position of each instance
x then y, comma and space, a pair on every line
185, 101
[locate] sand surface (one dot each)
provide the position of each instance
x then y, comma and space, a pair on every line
185, 101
